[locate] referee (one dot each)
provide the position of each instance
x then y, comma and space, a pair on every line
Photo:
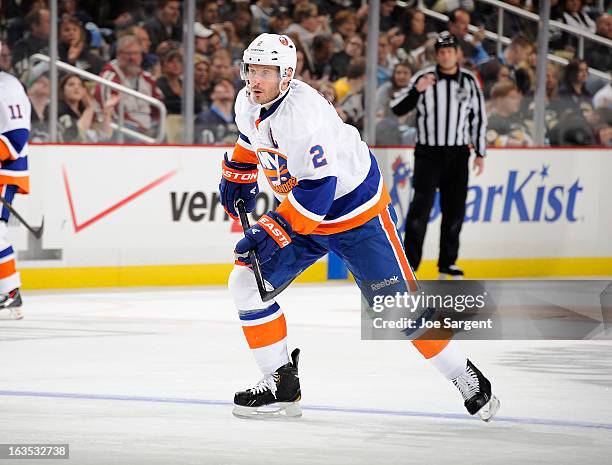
450, 115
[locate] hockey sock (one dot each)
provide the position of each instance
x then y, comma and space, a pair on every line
445, 355
266, 333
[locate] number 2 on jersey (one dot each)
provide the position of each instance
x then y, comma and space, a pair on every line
318, 156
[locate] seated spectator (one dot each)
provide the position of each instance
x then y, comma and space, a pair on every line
322, 49
261, 12
73, 49
126, 70
149, 59
396, 41
6, 64
492, 72
353, 103
202, 84
280, 21
207, 41
302, 68
402, 73
76, 113
306, 23
71, 8
603, 97
329, 92
574, 15
388, 19
240, 34
415, 31
221, 66
39, 92
353, 48
38, 22
170, 83
345, 27
166, 25
597, 55
216, 125
354, 80
471, 45
506, 127
573, 90
385, 61
516, 54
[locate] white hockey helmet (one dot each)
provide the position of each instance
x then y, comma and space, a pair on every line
270, 49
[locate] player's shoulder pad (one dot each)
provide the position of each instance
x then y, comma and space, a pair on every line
10, 82
304, 111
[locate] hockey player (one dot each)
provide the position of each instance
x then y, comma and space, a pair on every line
14, 178
331, 198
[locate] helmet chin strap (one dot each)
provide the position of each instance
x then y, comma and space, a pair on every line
271, 102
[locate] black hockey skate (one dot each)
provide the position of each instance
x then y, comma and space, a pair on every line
12, 302
276, 395
450, 272
476, 391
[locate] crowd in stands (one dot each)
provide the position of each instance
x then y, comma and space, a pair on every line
138, 43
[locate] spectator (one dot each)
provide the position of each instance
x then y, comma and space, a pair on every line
396, 40
329, 92
126, 70
166, 23
216, 125
603, 97
574, 15
71, 8
385, 61
345, 27
202, 84
471, 45
516, 54
38, 22
599, 55
353, 104
387, 18
513, 24
6, 64
353, 48
280, 21
402, 73
76, 113
302, 71
415, 32
149, 60
39, 91
306, 23
492, 72
506, 127
354, 80
221, 66
322, 49
73, 49
170, 83
573, 90
207, 41
262, 11
239, 32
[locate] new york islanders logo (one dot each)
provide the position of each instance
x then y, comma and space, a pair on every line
274, 166
283, 40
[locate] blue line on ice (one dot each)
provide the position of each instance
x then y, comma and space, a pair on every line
322, 408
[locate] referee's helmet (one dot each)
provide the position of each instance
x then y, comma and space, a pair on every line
446, 39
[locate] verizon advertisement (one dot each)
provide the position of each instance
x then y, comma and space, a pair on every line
159, 205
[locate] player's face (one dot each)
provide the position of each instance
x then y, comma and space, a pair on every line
264, 80
447, 57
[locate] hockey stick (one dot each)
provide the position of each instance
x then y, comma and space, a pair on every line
261, 285
36, 232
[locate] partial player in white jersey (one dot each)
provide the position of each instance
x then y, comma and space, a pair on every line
14, 178
331, 197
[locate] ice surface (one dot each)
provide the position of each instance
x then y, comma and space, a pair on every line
147, 377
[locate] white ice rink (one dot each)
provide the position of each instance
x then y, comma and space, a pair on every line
147, 377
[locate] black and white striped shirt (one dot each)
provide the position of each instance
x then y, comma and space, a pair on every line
449, 113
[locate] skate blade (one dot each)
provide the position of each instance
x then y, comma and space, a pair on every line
445, 276
488, 411
280, 410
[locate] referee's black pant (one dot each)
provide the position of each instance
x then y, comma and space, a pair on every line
446, 169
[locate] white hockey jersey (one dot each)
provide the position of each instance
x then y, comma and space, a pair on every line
14, 133
320, 170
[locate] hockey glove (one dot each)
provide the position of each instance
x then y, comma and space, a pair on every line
239, 181
271, 233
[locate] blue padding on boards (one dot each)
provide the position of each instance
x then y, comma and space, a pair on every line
335, 267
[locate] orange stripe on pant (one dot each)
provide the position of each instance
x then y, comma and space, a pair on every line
266, 334
7, 269
430, 348
397, 247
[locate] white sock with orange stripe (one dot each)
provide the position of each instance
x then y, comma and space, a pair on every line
9, 276
445, 355
266, 333
263, 323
